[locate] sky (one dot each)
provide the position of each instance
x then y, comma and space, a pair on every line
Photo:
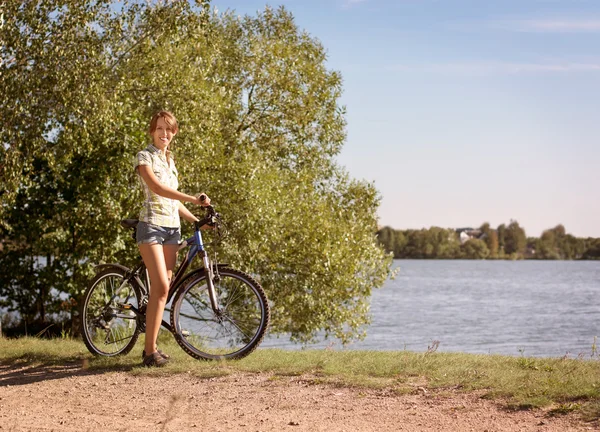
466, 111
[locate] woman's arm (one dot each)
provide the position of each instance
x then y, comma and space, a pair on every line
162, 190
186, 214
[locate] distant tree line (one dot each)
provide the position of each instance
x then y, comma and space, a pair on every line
504, 242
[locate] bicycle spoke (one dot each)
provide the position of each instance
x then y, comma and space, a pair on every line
237, 327
109, 324
195, 318
120, 340
232, 331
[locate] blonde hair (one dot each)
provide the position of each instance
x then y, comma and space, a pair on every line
169, 118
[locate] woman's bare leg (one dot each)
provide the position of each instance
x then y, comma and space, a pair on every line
154, 258
160, 261
170, 252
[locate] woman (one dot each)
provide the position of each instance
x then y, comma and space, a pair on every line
159, 232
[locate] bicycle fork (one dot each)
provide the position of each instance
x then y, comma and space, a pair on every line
212, 293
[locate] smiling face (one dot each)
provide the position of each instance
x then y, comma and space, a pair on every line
163, 128
162, 135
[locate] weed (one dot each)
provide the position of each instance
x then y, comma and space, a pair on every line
43, 331
435, 344
563, 409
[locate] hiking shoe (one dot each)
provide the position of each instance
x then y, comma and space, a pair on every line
155, 360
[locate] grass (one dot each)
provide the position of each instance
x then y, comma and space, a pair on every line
560, 385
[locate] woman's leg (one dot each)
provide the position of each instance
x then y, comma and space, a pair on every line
160, 261
154, 258
170, 252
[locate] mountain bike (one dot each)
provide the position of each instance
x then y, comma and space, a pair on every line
216, 312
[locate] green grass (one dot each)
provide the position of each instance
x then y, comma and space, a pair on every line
560, 385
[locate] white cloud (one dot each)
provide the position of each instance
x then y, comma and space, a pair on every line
502, 68
552, 25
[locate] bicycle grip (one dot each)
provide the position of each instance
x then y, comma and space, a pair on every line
202, 198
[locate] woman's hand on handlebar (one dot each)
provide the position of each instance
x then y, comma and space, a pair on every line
202, 200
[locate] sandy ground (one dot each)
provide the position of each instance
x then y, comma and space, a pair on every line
69, 398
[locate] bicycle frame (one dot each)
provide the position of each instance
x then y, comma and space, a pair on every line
196, 245
229, 324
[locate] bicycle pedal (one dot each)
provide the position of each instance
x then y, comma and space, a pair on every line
185, 333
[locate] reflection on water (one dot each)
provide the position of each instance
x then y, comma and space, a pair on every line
531, 308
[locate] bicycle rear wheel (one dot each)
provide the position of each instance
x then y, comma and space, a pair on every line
109, 325
231, 333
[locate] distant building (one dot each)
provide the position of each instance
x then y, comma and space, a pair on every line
466, 234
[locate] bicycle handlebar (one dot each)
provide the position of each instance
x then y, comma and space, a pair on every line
211, 218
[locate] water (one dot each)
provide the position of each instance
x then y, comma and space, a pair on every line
531, 308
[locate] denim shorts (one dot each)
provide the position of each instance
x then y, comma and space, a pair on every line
154, 234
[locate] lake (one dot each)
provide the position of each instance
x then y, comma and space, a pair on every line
530, 308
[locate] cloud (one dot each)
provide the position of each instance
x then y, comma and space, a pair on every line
501, 68
551, 25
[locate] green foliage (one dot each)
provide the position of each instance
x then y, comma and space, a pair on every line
555, 243
593, 249
475, 249
515, 240
432, 243
490, 236
260, 126
501, 230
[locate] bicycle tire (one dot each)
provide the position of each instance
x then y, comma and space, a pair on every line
236, 331
110, 329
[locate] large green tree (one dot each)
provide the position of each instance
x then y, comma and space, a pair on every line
52, 77
260, 124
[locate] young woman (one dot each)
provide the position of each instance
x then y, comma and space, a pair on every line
159, 232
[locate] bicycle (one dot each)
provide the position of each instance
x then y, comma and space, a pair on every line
217, 312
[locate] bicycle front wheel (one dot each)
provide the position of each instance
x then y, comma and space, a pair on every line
234, 330
109, 324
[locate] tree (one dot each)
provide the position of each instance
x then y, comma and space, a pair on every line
593, 250
400, 242
386, 237
474, 249
555, 243
501, 230
515, 240
490, 237
260, 128
547, 247
50, 55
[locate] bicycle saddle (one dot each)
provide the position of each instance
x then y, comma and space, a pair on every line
129, 223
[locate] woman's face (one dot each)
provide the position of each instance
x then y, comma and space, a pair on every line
162, 135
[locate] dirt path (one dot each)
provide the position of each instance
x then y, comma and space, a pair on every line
69, 398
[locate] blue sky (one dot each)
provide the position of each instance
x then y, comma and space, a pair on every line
467, 111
